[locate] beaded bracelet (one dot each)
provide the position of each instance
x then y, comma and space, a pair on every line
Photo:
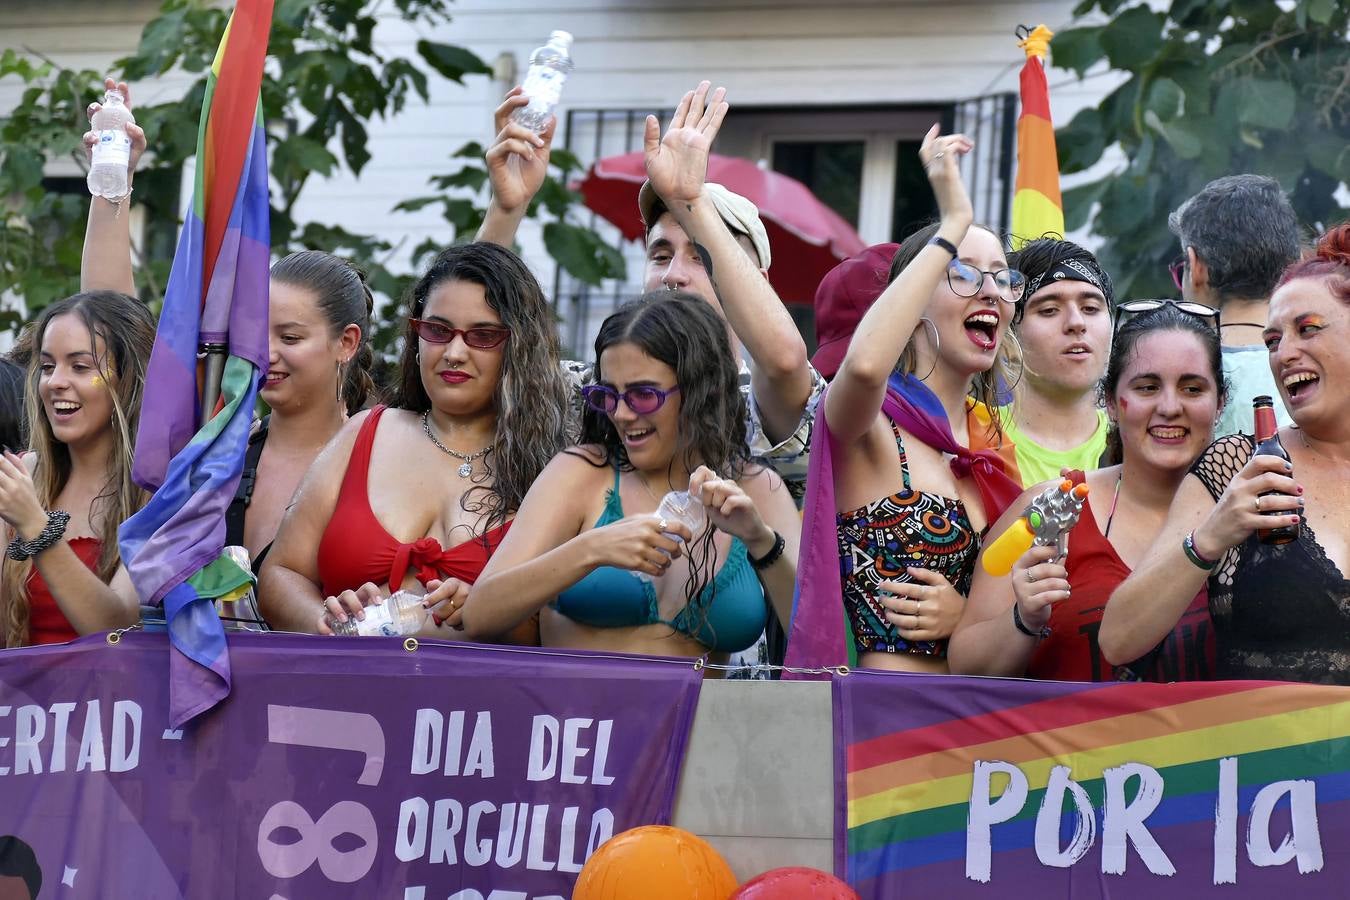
1188, 547
771, 557
51, 534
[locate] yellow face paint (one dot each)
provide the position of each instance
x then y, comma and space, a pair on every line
97, 381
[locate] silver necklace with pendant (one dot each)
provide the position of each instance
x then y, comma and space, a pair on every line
466, 459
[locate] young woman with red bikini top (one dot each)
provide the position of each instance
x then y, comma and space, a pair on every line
417, 496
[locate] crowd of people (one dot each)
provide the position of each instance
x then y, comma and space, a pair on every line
524, 496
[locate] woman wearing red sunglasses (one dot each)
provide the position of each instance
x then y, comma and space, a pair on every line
589, 554
423, 492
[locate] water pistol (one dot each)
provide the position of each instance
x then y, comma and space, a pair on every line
1048, 519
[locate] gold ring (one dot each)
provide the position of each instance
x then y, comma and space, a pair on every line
1257, 501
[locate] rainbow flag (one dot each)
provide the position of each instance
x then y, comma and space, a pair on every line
217, 293
945, 780
1038, 207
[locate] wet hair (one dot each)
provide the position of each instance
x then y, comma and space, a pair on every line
18, 860
985, 387
1035, 258
532, 396
344, 298
1244, 229
1124, 344
127, 330
1330, 259
13, 421
682, 331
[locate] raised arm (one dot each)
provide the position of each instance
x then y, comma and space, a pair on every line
1148, 604
986, 642
677, 166
549, 549
289, 594
856, 394
517, 163
106, 262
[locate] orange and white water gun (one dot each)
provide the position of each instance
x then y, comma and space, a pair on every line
1048, 519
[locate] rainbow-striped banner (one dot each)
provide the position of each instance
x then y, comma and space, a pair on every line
986, 787
1038, 207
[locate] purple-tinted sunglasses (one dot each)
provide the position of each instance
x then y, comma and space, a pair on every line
643, 400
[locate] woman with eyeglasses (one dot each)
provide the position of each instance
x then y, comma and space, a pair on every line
419, 495
895, 501
1281, 611
590, 555
1163, 389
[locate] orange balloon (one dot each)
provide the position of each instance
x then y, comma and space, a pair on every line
655, 862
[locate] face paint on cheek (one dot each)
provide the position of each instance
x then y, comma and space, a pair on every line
97, 381
1124, 404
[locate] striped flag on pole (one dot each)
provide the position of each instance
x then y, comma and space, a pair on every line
216, 296
1038, 208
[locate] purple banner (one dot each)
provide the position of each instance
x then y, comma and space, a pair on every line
336, 768
986, 787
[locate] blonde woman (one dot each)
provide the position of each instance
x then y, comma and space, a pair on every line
63, 502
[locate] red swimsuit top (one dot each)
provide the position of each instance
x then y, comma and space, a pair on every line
356, 548
46, 623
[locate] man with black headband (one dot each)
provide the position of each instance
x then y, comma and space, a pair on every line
1064, 328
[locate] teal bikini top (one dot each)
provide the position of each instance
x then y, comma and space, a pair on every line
727, 615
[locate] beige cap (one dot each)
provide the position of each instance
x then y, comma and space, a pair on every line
741, 216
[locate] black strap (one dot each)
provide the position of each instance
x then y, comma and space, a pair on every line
243, 495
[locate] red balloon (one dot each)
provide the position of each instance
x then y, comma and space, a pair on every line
795, 883
655, 862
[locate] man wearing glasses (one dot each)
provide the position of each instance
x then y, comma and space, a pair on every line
1064, 328
1237, 235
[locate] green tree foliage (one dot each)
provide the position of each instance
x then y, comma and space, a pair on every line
326, 81
1215, 87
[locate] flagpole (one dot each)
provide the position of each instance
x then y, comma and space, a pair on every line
215, 373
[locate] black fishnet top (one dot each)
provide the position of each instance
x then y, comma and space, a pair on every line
1280, 612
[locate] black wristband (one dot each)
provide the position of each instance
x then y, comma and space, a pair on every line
48, 537
1022, 626
945, 244
771, 557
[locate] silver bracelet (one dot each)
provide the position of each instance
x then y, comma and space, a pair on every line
48, 537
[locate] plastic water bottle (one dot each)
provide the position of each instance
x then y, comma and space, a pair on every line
241, 613
679, 506
549, 67
402, 613
112, 153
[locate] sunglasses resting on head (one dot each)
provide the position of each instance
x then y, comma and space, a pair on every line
1131, 308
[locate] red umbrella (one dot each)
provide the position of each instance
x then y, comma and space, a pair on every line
806, 237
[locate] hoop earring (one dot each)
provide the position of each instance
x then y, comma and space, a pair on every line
937, 345
1021, 359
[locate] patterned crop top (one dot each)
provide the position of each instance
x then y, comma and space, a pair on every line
879, 540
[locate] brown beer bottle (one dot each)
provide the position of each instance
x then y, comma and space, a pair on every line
1268, 444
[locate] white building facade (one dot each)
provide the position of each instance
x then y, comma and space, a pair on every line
835, 92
